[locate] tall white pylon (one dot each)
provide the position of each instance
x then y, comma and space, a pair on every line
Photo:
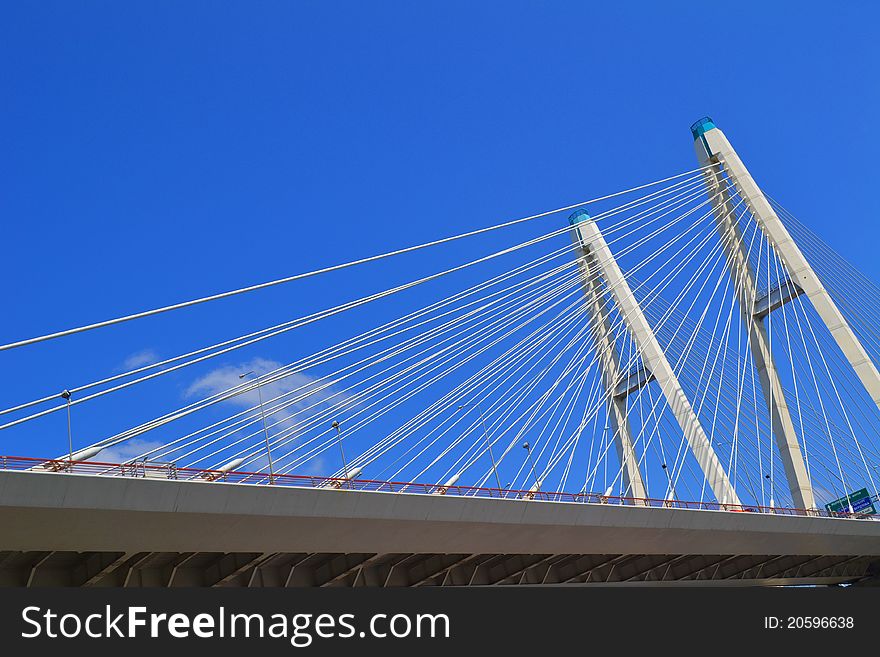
712, 148
590, 241
798, 268
609, 360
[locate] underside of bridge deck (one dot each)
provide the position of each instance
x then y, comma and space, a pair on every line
254, 569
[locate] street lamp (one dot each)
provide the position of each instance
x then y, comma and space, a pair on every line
335, 425
488, 443
670, 487
772, 502
528, 449
265, 428
65, 395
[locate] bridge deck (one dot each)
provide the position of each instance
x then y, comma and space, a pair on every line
82, 528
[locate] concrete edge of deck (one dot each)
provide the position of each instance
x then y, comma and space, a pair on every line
46, 511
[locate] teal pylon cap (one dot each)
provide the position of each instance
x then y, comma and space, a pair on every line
699, 128
578, 216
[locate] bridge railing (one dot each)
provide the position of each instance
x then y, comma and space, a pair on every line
150, 470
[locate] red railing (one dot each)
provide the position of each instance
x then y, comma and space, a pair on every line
140, 469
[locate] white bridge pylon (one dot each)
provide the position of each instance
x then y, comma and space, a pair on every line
597, 261
712, 146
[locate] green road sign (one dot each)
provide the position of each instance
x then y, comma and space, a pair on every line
860, 501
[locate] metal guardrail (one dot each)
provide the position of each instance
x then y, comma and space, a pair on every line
141, 469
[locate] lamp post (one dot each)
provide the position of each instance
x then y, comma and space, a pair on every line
670, 487
335, 425
66, 396
265, 428
528, 449
486, 437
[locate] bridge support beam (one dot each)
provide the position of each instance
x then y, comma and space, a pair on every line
798, 268
743, 275
609, 360
591, 241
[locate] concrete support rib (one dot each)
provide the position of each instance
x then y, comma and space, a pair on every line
591, 240
798, 268
609, 359
743, 276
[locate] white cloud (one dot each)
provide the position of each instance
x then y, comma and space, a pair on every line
125, 451
139, 359
312, 396
310, 390
315, 466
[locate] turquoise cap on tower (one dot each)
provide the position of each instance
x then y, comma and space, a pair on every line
578, 216
699, 128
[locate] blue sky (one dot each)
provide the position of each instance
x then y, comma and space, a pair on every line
156, 152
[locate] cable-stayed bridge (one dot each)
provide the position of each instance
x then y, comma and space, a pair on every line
671, 383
